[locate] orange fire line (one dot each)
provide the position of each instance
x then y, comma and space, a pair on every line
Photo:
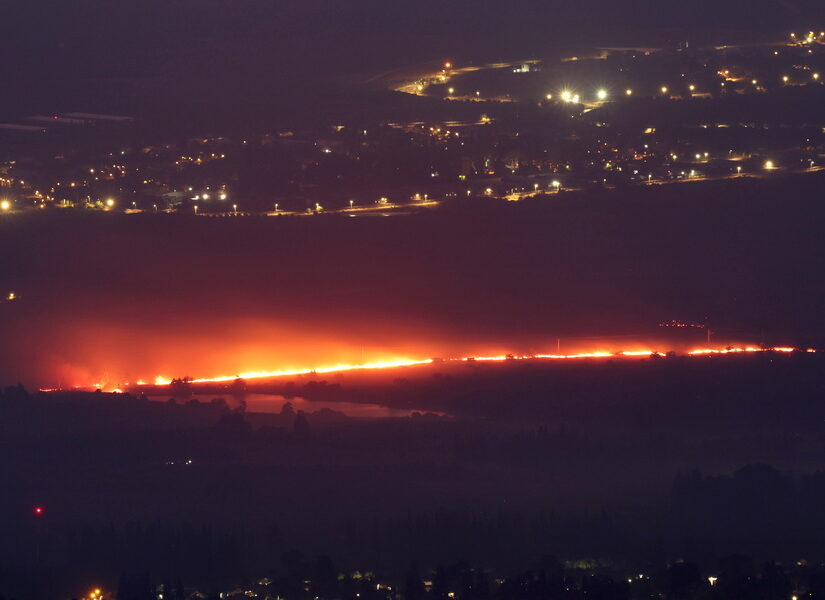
163, 381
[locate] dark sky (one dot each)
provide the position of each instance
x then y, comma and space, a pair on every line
97, 38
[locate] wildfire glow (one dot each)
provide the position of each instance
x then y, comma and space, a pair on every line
734, 350
393, 364
283, 373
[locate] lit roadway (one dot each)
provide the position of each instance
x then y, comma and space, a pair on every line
347, 210
755, 175
512, 196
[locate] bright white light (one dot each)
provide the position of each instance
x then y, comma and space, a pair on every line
601, 94
5, 205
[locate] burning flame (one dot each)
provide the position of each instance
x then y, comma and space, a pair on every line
163, 381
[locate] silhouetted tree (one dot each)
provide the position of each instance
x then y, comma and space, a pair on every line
301, 425
413, 587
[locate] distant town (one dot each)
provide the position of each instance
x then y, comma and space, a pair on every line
607, 118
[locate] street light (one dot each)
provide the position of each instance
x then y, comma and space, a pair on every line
769, 165
628, 92
601, 95
5, 205
351, 203
664, 89
110, 202
235, 208
196, 209
556, 184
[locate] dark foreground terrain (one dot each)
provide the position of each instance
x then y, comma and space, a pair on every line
696, 453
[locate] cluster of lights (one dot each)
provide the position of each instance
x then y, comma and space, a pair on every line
570, 97
809, 38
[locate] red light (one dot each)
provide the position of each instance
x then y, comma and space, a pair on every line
38, 510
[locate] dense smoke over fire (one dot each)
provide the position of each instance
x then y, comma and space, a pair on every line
206, 347
108, 298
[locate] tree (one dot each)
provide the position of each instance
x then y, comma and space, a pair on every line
413, 587
301, 425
